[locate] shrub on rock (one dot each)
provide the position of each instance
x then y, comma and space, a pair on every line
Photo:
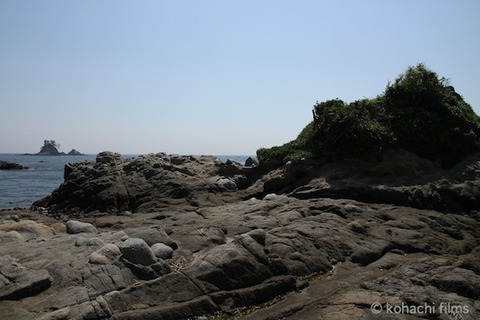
429, 118
419, 112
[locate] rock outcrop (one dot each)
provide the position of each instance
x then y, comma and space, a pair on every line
5, 165
401, 178
74, 152
147, 183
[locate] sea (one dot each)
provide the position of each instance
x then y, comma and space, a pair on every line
21, 188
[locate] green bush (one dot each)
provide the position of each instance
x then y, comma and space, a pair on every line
295, 150
429, 118
358, 129
419, 112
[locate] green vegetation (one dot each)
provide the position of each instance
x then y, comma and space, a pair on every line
419, 112
301, 147
430, 119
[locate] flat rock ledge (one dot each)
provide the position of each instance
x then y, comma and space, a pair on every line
290, 258
18, 282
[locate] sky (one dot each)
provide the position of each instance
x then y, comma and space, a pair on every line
212, 77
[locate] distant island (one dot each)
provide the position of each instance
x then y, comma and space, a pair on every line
50, 148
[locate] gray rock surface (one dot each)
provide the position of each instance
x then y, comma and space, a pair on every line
18, 282
269, 251
145, 183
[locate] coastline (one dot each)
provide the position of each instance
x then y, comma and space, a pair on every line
43, 176
160, 236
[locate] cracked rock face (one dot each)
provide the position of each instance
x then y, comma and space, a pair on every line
323, 256
145, 183
18, 282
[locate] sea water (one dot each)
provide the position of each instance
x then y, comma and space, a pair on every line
21, 188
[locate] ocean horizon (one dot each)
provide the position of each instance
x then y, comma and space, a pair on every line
21, 188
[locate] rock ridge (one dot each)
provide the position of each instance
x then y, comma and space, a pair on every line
155, 181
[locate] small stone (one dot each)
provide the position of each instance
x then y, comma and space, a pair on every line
74, 227
96, 258
137, 251
162, 251
105, 255
14, 217
80, 241
270, 196
95, 242
227, 183
110, 250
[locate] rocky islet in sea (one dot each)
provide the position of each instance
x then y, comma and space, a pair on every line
6, 165
50, 148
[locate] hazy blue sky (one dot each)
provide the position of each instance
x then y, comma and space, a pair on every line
212, 77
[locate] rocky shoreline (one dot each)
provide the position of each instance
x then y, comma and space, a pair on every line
174, 237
